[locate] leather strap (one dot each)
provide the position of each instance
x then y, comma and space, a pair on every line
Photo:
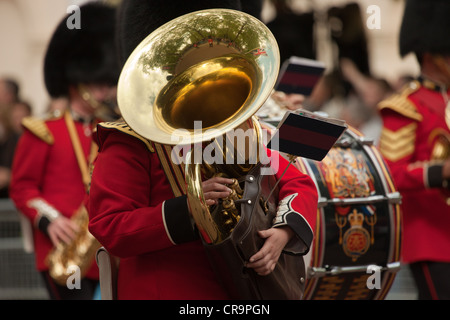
79, 150
174, 172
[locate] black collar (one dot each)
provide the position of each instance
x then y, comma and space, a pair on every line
431, 85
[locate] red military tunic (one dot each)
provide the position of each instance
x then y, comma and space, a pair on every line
45, 168
135, 215
414, 129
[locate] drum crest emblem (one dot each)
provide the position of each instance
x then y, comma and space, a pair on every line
348, 176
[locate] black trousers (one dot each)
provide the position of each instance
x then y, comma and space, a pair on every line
58, 292
432, 279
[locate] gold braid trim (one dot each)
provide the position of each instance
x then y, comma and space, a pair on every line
401, 104
173, 171
122, 126
395, 145
39, 128
166, 165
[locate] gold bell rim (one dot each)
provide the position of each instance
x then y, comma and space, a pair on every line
150, 67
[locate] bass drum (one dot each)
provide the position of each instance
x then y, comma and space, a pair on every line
356, 250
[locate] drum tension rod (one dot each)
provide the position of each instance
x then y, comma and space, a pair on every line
391, 198
316, 272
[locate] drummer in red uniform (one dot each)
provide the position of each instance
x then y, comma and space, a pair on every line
48, 185
415, 141
137, 207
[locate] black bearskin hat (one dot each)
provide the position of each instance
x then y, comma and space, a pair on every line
85, 55
425, 27
253, 7
138, 18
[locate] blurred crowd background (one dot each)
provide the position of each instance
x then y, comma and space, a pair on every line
362, 60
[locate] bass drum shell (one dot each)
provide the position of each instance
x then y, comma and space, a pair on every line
356, 249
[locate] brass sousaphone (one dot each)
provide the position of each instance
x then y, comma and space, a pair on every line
216, 66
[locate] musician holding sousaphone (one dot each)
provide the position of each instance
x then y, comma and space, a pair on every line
188, 230
50, 174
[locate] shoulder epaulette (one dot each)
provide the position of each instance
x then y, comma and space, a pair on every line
122, 126
39, 128
401, 104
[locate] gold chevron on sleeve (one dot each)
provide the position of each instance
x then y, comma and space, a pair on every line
395, 145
